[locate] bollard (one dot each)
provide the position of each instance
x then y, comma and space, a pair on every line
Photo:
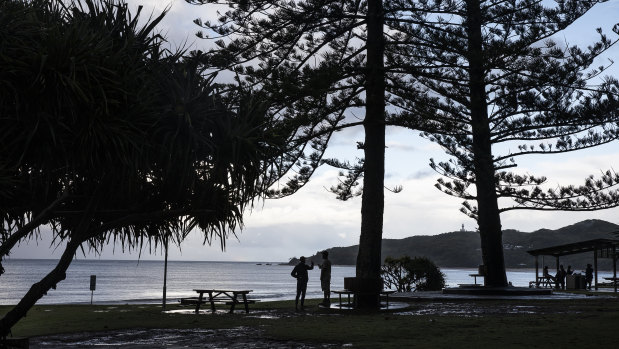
93, 286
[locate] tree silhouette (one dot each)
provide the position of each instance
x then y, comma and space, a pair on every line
471, 74
107, 137
318, 62
490, 74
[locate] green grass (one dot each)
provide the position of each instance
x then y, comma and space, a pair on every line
556, 323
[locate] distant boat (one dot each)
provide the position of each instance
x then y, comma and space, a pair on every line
268, 263
258, 263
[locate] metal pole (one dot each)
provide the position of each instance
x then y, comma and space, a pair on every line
615, 267
595, 267
537, 271
165, 272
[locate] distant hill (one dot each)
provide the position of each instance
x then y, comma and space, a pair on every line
462, 248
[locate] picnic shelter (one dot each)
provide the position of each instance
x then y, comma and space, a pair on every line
600, 248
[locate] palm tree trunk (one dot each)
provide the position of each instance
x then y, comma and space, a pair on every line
372, 203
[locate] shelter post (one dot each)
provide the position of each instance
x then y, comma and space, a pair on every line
537, 270
615, 267
595, 267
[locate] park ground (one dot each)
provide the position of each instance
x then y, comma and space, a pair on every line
514, 323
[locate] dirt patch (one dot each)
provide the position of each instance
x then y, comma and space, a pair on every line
241, 337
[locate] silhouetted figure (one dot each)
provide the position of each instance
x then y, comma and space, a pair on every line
569, 270
325, 278
589, 276
560, 278
547, 274
300, 273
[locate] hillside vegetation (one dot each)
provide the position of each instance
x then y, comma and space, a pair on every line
462, 248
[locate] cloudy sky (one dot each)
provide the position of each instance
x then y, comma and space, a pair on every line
313, 219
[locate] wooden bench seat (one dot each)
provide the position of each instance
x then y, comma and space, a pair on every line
384, 293
192, 300
249, 301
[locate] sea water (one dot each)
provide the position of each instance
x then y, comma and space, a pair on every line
124, 281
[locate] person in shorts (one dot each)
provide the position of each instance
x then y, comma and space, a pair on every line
325, 278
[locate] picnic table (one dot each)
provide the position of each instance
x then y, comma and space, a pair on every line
546, 281
384, 293
227, 297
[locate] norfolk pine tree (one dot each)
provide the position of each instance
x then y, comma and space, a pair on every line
317, 61
489, 74
441, 56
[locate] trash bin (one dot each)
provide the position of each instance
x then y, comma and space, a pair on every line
581, 282
575, 282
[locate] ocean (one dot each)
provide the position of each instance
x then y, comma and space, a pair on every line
124, 281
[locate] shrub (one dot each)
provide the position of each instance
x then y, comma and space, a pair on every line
407, 274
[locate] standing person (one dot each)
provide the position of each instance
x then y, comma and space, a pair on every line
300, 273
589, 275
560, 278
569, 270
325, 278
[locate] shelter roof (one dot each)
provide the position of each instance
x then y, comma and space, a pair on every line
574, 248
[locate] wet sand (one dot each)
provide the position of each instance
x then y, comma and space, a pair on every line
241, 337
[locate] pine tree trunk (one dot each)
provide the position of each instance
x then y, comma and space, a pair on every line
489, 219
372, 203
38, 290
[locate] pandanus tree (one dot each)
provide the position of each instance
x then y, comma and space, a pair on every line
106, 137
489, 77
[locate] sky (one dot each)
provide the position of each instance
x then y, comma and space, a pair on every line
312, 219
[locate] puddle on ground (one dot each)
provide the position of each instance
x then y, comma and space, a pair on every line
474, 309
268, 317
240, 337
201, 311
259, 314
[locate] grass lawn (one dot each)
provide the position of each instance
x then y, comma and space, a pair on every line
564, 323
